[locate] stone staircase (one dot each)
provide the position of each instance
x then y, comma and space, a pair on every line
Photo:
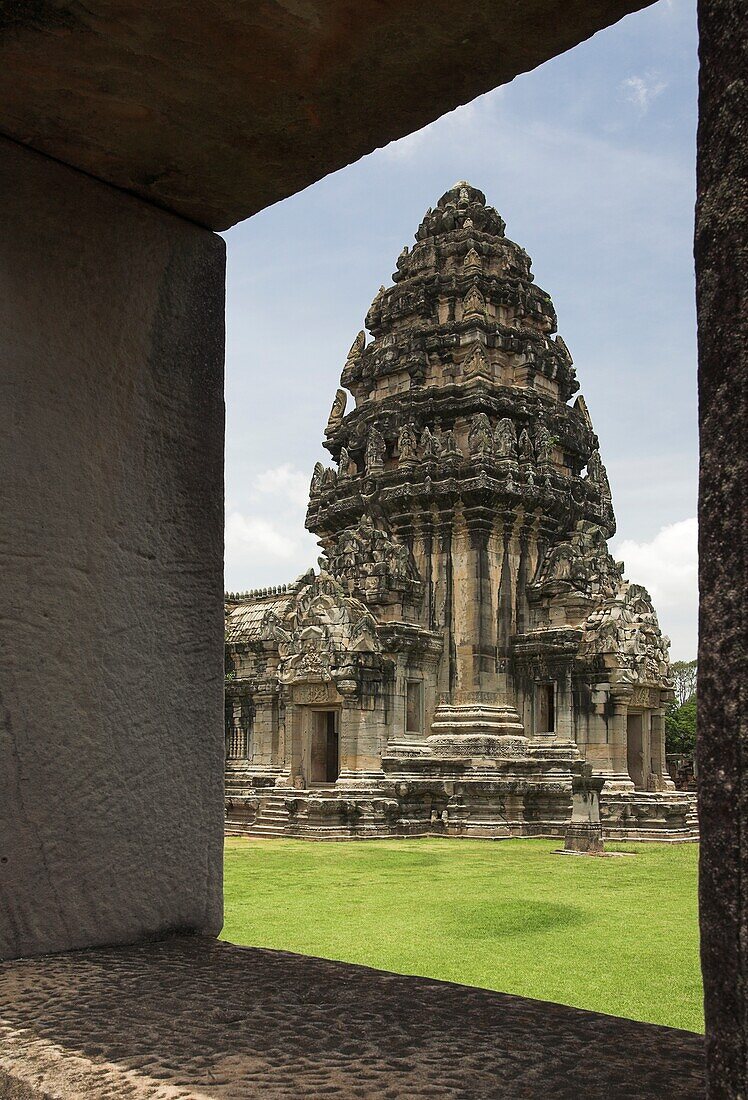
272, 816
692, 817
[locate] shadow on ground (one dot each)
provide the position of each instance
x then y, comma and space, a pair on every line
192, 1018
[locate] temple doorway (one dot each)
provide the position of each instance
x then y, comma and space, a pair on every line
324, 764
635, 750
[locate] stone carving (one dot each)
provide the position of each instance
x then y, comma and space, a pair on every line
323, 477
450, 450
524, 447
376, 449
597, 474
543, 446
505, 439
344, 464
474, 304
476, 363
407, 445
472, 260
581, 563
625, 630
317, 475
369, 563
324, 628
480, 436
337, 412
357, 347
431, 447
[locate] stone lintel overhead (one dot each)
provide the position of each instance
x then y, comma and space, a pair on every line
216, 110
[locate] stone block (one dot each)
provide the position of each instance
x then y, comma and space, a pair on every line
111, 666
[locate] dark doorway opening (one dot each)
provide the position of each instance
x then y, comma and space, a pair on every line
325, 762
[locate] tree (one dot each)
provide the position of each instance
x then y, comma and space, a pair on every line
680, 726
684, 675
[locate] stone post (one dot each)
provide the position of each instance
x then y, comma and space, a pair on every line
619, 778
722, 753
659, 762
584, 833
112, 744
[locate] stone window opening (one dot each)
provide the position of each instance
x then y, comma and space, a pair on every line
414, 707
545, 708
238, 723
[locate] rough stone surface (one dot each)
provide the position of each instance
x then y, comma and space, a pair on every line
111, 631
196, 1019
216, 110
722, 292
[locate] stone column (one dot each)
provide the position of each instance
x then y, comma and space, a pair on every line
111, 557
659, 762
619, 778
294, 738
722, 291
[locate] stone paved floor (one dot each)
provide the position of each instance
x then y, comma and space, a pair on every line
195, 1019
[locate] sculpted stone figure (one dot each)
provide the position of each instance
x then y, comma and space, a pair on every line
480, 437
407, 444
357, 347
597, 473
543, 445
376, 449
524, 447
344, 464
430, 444
505, 439
450, 449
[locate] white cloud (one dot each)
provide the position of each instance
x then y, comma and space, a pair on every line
641, 90
253, 536
667, 566
265, 539
285, 482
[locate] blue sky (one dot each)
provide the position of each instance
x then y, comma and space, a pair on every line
590, 160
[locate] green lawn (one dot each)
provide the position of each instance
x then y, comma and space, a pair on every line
616, 935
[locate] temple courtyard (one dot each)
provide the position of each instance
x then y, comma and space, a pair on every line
616, 935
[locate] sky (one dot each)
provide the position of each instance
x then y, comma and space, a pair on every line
590, 159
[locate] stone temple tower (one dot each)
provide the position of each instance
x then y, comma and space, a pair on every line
469, 635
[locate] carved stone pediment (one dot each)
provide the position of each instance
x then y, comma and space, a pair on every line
321, 637
625, 633
370, 563
581, 564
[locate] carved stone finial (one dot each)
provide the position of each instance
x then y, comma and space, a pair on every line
337, 412
357, 347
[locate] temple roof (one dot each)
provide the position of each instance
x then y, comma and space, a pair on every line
244, 620
461, 204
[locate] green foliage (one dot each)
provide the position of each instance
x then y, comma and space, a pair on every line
613, 935
680, 727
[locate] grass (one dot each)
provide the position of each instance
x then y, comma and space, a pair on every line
614, 935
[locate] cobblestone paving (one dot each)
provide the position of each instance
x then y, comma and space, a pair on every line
195, 1019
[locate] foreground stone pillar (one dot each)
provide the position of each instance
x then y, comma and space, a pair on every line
111, 666
722, 751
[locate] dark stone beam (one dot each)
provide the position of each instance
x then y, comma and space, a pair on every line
215, 110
